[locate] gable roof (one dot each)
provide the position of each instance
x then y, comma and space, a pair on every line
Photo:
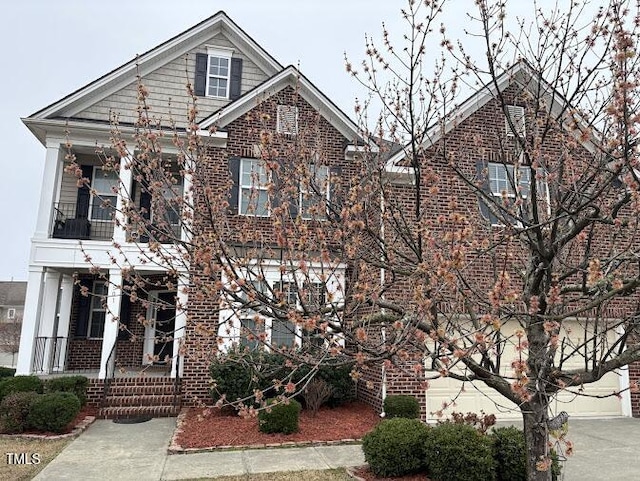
291, 77
154, 58
521, 73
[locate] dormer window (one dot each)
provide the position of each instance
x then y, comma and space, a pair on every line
218, 74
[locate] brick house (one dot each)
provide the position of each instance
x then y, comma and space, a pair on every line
66, 332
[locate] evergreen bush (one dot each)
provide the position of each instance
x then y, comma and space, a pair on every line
401, 406
53, 411
457, 452
280, 417
14, 410
395, 447
10, 385
75, 384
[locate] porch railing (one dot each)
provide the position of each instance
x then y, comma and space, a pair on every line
50, 354
68, 225
110, 373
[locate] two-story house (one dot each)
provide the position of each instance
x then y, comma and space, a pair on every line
243, 94
76, 321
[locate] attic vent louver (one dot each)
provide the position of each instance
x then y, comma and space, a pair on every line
287, 119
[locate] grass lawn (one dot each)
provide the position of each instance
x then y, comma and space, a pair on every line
47, 449
323, 475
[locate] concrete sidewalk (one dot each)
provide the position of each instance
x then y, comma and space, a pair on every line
604, 449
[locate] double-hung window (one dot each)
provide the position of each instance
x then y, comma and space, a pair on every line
252, 324
254, 197
103, 203
314, 193
11, 313
98, 312
218, 72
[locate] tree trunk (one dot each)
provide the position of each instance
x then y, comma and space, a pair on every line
537, 440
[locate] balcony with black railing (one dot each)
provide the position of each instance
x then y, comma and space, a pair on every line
68, 223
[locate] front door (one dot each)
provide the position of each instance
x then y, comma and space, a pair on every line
159, 335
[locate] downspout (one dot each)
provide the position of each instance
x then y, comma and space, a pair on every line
625, 393
382, 280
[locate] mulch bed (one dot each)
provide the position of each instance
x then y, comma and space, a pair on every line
209, 427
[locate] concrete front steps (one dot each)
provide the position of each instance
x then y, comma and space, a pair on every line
140, 396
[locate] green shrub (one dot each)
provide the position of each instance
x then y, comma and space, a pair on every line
510, 454
401, 407
395, 447
14, 410
7, 372
75, 384
457, 452
53, 411
279, 418
10, 385
338, 375
232, 377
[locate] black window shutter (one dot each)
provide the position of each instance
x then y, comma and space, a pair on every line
200, 81
234, 196
145, 212
125, 315
84, 309
482, 177
334, 207
84, 194
235, 88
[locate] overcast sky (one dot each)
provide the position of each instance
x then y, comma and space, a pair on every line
52, 47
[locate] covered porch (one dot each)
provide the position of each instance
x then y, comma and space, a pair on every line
79, 323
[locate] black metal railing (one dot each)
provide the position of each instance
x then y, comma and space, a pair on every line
50, 354
110, 373
69, 224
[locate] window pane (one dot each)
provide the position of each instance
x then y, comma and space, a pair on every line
254, 202
103, 207
282, 333
249, 333
104, 182
97, 323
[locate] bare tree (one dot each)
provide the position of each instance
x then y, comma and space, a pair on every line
10, 337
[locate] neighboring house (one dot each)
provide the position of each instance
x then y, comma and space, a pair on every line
66, 332
12, 294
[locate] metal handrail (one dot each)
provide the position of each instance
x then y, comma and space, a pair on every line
176, 381
110, 373
54, 360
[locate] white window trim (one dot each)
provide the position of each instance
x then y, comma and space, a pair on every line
517, 115
313, 168
542, 186
220, 52
103, 308
11, 313
250, 187
282, 126
230, 314
97, 199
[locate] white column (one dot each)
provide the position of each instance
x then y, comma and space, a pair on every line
49, 190
124, 194
112, 321
48, 316
181, 322
187, 202
64, 318
30, 320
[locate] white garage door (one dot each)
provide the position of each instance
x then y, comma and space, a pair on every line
477, 397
